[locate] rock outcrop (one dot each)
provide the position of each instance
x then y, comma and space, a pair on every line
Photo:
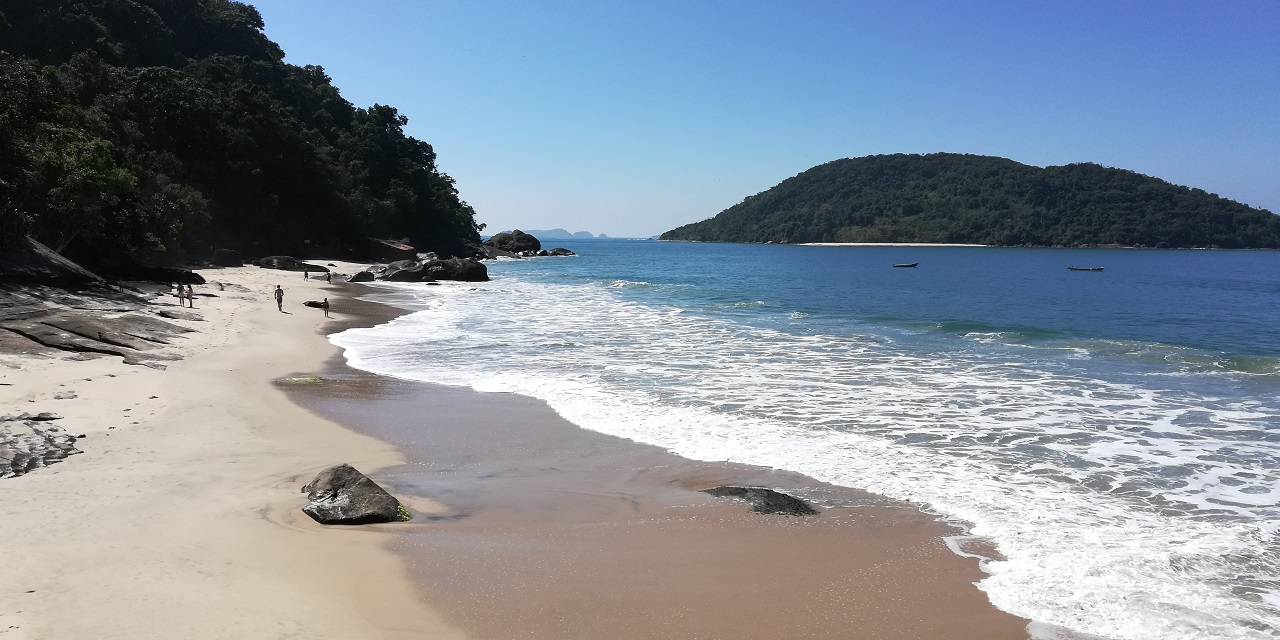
766, 501
343, 495
227, 258
289, 263
390, 250
516, 242
99, 320
26, 261
29, 442
427, 270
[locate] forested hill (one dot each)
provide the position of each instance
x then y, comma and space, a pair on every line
161, 129
954, 198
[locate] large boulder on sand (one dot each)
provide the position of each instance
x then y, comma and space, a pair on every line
342, 495
766, 500
516, 242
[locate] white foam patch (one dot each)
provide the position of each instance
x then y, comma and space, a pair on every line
1123, 512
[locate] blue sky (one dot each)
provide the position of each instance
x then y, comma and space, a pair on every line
631, 118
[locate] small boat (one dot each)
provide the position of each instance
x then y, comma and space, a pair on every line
1084, 268
906, 266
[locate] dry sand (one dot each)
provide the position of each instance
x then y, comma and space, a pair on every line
180, 519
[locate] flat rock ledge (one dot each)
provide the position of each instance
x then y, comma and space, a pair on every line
343, 495
766, 501
29, 442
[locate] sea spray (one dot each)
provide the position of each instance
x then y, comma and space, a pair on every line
1129, 497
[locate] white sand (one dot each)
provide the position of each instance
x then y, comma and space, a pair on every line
182, 521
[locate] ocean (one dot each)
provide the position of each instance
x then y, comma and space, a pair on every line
1115, 433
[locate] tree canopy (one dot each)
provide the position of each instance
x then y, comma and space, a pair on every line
970, 199
159, 129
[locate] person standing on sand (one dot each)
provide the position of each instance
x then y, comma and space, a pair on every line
179, 294
328, 277
279, 298
306, 275
325, 305
191, 297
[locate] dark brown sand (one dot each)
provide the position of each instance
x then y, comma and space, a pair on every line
556, 532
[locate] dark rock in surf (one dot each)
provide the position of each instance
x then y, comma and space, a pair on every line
402, 271
463, 269
561, 251
766, 501
343, 495
362, 276
516, 242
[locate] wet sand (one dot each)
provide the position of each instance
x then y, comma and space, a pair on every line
552, 531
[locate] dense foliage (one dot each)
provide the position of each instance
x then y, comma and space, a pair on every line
952, 198
160, 129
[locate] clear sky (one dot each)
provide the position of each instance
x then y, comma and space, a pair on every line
631, 118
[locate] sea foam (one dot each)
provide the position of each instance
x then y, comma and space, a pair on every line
1120, 510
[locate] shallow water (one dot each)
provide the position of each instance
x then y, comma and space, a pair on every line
1114, 433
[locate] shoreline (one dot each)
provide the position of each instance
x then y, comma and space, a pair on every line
532, 499
182, 512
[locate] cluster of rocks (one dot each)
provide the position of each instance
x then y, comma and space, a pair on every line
343, 495
766, 501
289, 263
29, 442
517, 244
428, 268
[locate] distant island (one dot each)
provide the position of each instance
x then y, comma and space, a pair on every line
947, 198
561, 234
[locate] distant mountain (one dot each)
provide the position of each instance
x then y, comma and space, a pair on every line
955, 198
561, 234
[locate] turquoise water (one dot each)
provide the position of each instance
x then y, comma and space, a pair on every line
1116, 433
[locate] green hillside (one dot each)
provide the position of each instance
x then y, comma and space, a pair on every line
954, 198
160, 129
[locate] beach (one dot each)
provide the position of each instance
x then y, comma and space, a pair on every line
181, 516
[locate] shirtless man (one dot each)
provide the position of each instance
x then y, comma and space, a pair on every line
279, 298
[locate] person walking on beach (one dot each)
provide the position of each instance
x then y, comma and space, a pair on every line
279, 298
179, 294
191, 296
328, 277
306, 275
325, 305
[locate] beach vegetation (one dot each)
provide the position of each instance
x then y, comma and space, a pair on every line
403, 514
948, 198
155, 130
